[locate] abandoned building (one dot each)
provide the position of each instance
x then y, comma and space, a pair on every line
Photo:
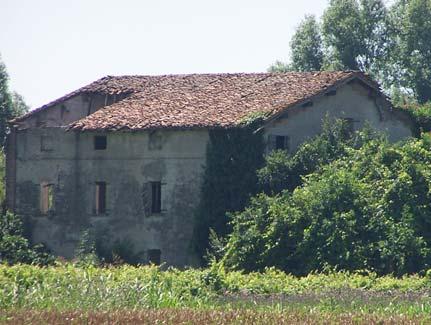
126, 154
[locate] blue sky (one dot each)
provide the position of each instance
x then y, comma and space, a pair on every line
51, 47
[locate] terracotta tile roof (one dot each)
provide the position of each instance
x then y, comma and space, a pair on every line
204, 100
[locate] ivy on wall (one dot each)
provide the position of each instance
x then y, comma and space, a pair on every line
232, 158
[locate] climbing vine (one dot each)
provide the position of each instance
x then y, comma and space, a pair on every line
232, 158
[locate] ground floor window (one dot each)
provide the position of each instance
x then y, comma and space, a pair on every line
156, 197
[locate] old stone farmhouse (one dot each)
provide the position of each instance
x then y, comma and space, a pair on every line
126, 154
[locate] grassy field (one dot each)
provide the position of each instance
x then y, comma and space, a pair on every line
69, 294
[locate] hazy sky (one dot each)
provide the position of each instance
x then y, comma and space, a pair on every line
51, 47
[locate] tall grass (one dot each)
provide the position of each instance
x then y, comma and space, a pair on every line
67, 287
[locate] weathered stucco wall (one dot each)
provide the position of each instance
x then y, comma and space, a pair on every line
350, 101
130, 162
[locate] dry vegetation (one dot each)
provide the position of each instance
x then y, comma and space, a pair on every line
192, 316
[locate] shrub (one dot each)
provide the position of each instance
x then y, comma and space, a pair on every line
85, 252
369, 209
283, 171
15, 248
421, 114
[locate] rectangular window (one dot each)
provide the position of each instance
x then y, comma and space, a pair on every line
100, 198
100, 142
154, 256
156, 197
46, 197
282, 142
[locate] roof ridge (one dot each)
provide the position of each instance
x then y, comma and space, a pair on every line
126, 84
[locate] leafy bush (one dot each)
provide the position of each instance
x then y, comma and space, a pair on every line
15, 248
284, 171
421, 114
369, 209
85, 252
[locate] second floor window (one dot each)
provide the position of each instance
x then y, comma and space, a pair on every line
100, 142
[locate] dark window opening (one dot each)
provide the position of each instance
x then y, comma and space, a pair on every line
156, 197
281, 142
154, 256
100, 197
100, 142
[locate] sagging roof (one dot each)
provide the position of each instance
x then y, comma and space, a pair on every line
203, 100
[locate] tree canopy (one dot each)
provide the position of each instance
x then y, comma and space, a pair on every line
11, 103
393, 44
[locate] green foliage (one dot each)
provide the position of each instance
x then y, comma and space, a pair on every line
15, 248
393, 43
279, 66
342, 32
285, 172
421, 114
306, 46
96, 247
67, 287
411, 55
19, 107
356, 35
232, 158
369, 209
5, 102
85, 252
2, 177
11, 104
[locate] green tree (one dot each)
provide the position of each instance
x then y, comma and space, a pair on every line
11, 104
279, 66
393, 44
19, 107
6, 103
15, 248
356, 34
306, 46
342, 32
411, 56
